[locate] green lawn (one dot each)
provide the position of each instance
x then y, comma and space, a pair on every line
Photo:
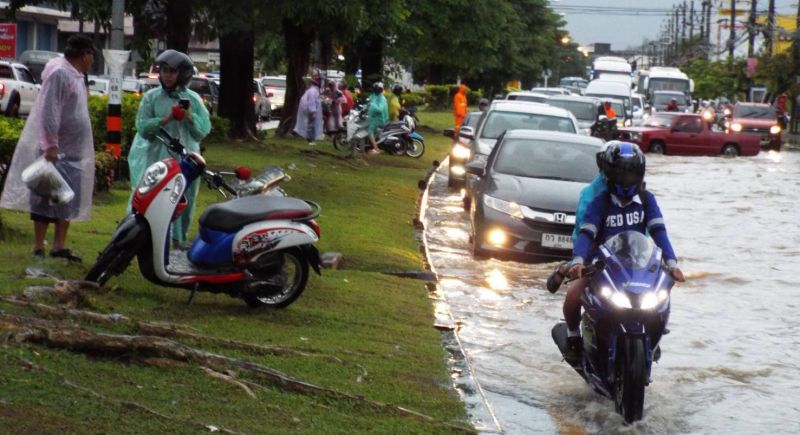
364, 333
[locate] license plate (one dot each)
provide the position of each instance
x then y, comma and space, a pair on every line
765, 140
558, 241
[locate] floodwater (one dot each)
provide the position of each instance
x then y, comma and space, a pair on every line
731, 363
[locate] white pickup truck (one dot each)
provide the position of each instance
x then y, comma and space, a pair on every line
18, 89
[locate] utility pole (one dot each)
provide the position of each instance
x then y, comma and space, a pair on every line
770, 27
751, 28
683, 26
677, 32
708, 22
732, 39
702, 20
115, 58
691, 21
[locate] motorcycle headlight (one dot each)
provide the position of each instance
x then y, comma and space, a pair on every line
736, 127
651, 300
510, 208
775, 129
461, 152
621, 300
152, 176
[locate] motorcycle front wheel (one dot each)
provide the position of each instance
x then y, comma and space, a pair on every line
292, 277
631, 379
415, 149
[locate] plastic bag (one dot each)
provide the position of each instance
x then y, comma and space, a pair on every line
43, 179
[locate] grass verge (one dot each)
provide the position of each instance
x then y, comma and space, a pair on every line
355, 330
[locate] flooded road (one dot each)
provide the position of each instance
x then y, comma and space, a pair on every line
732, 361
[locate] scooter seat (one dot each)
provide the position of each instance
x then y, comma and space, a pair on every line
394, 125
232, 215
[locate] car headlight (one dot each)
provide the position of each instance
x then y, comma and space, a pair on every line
620, 123
736, 127
726, 112
510, 208
646, 115
775, 129
461, 152
586, 131
628, 123
651, 300
152, 176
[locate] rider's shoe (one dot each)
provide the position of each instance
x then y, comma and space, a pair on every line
657, 354
574, 350
557, 277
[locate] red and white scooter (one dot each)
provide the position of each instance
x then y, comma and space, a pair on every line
258, 248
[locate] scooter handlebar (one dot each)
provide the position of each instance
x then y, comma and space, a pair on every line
173, 143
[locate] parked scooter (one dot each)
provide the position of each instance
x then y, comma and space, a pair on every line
398, 137
258, 247
626, 309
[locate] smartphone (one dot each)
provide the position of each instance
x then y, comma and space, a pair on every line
184, 103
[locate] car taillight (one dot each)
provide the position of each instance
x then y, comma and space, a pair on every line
254, 98
2, 91
315, 226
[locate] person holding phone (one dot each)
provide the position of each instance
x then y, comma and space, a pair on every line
181, 112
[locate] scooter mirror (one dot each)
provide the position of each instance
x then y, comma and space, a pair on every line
242, 173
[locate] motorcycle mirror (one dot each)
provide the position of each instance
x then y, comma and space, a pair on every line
242, 173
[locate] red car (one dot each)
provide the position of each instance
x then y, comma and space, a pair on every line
687, 134
758, 120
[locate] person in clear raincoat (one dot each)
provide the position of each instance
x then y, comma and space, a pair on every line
160, 107
308, 122
59, 129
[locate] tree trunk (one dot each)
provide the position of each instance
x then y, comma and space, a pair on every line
179, 24
371, 60
236, 81
435, 74
298, 50
351, 59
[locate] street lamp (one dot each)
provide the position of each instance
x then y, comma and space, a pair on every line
565, 40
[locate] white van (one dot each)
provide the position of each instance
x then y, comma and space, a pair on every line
612, 89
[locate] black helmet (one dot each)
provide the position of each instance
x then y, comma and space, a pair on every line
178, 61
483, 102
397, 89
623, 165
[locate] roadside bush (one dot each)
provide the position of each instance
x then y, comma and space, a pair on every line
98, 109
417, 99
10, 130
441, 96
105, 168
219, 128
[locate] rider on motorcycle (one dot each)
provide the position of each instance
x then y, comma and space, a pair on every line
626, 206
393, 100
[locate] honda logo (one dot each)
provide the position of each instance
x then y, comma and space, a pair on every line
560, 217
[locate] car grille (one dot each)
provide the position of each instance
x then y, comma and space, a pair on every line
755, 130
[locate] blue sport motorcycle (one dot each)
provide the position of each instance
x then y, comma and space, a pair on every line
626, 309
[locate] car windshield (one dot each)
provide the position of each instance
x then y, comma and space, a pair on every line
760, 112
533, 98
581, 110
540, 158
98, 85
497, 122
625, 101
659, 121
200, 86
664, 99
663, 84
130, 86
548, 91
632, 248
274, 83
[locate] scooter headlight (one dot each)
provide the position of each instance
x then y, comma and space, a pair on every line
461, 152
152, 176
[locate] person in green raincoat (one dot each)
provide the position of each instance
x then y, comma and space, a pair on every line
160, 107
377, 114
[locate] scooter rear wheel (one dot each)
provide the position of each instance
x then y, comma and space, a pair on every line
341, 144
294, 271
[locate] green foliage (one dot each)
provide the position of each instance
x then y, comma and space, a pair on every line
105, 168
440, 97
98, 110
417, 99
717, 78
219, 128
10, 130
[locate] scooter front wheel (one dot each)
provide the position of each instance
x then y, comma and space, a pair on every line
415, 149
292, 278
112, 261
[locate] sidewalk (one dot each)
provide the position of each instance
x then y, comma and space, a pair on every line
791, 141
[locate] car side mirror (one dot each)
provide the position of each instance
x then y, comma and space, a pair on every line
476, 167
466, 134
449, 132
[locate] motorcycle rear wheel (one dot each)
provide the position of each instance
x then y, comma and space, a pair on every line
294, 269
111, 262
631, 379
341, 144
415, 149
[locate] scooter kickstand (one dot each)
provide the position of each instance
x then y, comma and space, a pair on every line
191, 295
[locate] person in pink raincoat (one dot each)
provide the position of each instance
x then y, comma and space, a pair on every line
308, 123
337, 99
59, 129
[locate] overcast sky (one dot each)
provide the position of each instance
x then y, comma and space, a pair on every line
590, 21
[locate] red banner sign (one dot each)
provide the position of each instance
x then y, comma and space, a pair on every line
8, 40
